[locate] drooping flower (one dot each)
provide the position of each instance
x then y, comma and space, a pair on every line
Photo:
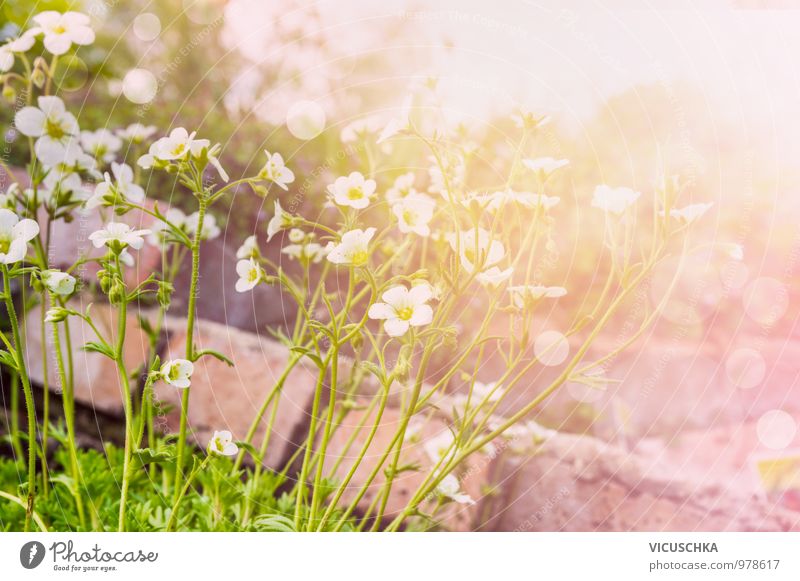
494, 277
478, 250
450, 488
178, 372
210, 228
354, 190
174, 147
250, 274
12, 47
361, 128
399, 124
614, 200
353, 249
403, 186
544, 167
222, 444
440, 446
14, 236
102, 144
117, 235
276, 171
137, 133
280, 221
52, 126
413, 213
57, 282
527, 294
62, 30
248, 249
690, 213
307, 252
122, 185
403, 308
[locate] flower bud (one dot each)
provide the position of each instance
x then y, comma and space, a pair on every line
164, 294
38, 78
57, 314
9, 94
116, 293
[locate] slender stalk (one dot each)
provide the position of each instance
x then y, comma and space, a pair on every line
173, 516
45, 396
68, 398
127, 403
28, 393
190, 316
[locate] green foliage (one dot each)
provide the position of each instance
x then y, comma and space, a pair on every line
220, 499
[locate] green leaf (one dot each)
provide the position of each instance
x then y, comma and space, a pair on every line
307, 353
275, 523
215, 354
145, 456
95, 347
9, 360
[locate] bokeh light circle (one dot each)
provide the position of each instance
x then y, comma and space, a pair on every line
305, 120
776, 429
139, 86
766, 300
746, 368
551, 348
147, 26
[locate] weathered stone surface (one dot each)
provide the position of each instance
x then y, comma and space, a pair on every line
97, 381
577, 483
228, 398
218, 300
418, 450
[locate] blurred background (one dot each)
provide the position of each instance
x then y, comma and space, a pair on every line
706, 89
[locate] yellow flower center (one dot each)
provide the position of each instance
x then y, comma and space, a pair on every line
355, 194
54, 129
60, 29
5, 244
405, 313
179, 149
409, 217
359, 257
252, 276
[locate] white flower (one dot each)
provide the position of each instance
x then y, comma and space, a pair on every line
403, 308
136, 132
210, 228
477, 250
308, 252
614, 200
523, 434
61, 31
279, 221
122, 185
403, 186
440, 445
248, 249
398, 124
102, 144
414, 212
361, 128
15, 45
160, 229
530, 199
353, 249
353, 190
57, 282
690, 213
276, 171
494, 277
53, 127
176, 146
450, 488
118, 234
222, 444
543, 167
14, 236
250, 274
177, 372
526, 294
296, 235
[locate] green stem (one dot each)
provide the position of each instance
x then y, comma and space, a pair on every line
68, 398
182, 492
190, 316
28, 392
127, 403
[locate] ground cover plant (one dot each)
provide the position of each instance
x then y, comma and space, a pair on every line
398, 269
